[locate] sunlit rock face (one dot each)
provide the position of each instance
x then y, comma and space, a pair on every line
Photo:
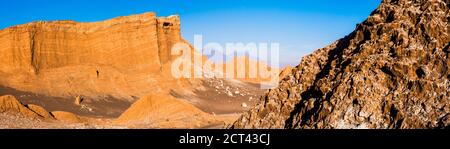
121, 57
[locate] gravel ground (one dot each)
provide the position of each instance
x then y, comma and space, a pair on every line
12, 121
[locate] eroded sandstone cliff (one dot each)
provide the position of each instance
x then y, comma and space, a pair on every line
121, 57
90, 73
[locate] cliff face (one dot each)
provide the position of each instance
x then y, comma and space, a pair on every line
66, 58
393, 71
135, 40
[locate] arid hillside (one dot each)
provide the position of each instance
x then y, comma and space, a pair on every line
393, 71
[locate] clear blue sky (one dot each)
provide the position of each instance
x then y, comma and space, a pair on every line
300, 26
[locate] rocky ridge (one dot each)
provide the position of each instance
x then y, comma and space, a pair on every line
393, 71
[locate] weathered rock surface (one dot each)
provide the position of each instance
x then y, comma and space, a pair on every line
107, 65
393, 71
40, 111
164, 111
9, 104
247, 69
121, 57
66, 117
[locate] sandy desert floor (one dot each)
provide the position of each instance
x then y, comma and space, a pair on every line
222, 100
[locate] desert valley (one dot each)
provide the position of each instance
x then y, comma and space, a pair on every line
392, 71
110, 74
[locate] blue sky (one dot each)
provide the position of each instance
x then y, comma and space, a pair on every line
300, 26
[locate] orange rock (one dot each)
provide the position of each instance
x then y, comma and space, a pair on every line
248, 70
78, 100
10, 104
66, 117
121, 57
39, 110
160, 110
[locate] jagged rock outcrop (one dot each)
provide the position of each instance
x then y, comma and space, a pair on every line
9, 104
12, 110
393, 71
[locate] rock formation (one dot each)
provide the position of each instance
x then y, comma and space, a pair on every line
164, 111
393, 71
66, 117
78, 100
10, 104
105, 66
121, 57
40, 111
16, 112
249, 70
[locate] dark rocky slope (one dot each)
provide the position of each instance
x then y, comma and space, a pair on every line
393, 71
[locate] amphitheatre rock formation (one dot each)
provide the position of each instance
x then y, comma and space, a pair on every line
121, 57
393, 71
92, 72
